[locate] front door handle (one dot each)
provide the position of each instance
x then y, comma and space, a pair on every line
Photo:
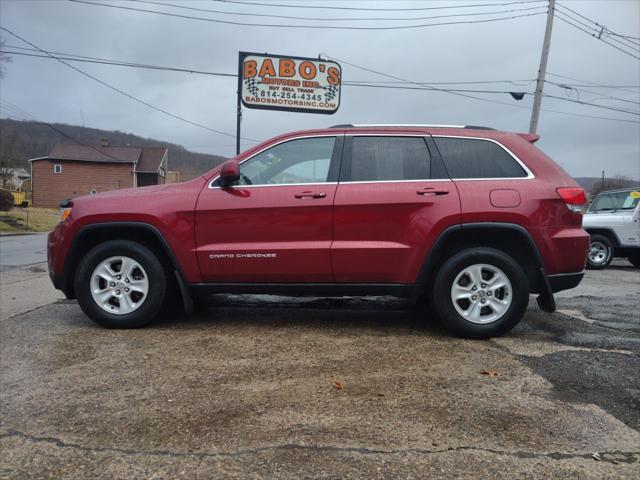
433, 190
311, 195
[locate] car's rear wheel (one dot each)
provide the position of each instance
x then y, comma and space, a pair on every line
121, 284
600, 252
480, 293
634, 258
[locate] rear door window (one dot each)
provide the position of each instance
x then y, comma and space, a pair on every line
476, 158
380, 158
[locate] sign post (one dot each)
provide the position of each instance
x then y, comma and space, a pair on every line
239, 105
293, 84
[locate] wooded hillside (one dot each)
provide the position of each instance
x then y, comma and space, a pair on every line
20, 141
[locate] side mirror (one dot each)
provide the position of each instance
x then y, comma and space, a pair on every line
229, 173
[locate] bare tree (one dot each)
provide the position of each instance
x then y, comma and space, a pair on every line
619, 181
4, 59
8, 159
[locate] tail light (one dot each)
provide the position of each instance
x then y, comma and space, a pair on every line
573, 197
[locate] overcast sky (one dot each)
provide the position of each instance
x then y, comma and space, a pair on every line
503, 50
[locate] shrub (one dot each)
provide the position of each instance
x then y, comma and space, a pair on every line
6, 200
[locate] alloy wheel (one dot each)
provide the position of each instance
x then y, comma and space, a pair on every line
119, 285
481, 293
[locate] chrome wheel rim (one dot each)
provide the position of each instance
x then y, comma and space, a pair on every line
119, 285
481, 293
598, 252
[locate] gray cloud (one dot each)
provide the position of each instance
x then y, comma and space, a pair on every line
501, 50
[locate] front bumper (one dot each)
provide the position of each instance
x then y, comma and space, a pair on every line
57, 280
58, 244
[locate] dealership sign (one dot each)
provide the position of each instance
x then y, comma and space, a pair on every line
276, 82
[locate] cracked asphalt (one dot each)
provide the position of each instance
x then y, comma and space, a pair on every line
273, 387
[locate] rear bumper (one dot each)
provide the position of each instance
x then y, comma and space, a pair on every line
565, 281
551, 284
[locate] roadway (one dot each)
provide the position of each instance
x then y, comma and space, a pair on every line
22, 250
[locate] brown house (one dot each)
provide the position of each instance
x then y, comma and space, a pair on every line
74, 170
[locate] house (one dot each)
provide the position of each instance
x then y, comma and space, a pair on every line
174, 176
74, 170
13, 178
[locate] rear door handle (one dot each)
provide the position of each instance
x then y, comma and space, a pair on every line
311, 195
433, 190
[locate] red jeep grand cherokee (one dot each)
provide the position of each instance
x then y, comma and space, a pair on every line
471, 218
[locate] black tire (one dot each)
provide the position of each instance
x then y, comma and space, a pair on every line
634, 258
152, 304
444, 282
599, 243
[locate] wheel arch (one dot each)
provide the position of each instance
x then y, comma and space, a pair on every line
91, 235
605, 232
510, 238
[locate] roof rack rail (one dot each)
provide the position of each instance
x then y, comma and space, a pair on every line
349, 125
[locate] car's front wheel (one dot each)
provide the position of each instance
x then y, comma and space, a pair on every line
600, 252
480, 293
120, 284
634, 258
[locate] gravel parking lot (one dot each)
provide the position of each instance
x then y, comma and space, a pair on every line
255, 387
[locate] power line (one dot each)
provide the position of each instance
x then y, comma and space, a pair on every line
594, 84
104, 61
626, 36
448, 90
601, 27
126, 64
588, 33
128, 95
596, 30
428, 87
502, 92
572, 87
123, 63
603, 107
369, 9
351, 19
313, 27
593, 31
477, 82
599, 31
371, 84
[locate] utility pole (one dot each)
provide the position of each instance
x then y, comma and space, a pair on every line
537, 100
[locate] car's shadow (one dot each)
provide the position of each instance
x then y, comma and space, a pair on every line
370, 313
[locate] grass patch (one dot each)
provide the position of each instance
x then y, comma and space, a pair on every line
28, 220
5, 227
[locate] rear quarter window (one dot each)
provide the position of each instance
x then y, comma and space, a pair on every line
476, 158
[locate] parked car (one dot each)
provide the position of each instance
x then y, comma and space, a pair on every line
613, 222
471, 218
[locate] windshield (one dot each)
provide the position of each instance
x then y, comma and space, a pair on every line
615, 201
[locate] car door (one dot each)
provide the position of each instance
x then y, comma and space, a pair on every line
630, 234
393, 199
275, 223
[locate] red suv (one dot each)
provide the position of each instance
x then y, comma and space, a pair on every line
470, 218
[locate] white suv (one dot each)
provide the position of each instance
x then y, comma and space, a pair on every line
613, 221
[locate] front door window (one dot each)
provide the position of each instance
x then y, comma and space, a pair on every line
305, 160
